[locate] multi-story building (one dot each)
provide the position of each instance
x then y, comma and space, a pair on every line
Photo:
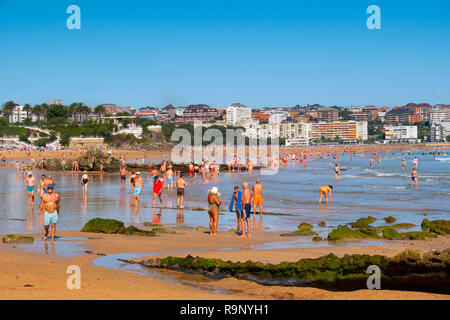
55, 102
259, 115
238, 113
19, 115
278, 116
200, 112
402, 116
111, 108
437, 115
360, 116
345, 130
286, 130
400, 133
327, 115
146, 113
439, 131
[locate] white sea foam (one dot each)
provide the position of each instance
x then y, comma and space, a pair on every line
384, 187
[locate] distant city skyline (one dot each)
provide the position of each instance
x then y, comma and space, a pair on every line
258, 53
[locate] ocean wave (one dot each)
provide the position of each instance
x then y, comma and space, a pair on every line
384, 187
443, 159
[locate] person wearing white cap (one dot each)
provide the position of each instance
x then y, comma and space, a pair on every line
30, 185
138, 186
213, 209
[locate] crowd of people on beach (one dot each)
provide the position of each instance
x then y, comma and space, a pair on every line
244, 200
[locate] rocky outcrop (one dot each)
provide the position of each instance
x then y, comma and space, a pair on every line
344, 233
303, 229
92, 160
112, 226
410, 270
104, 226
436, 226
53, 164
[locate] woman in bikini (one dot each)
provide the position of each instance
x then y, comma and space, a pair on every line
213, 209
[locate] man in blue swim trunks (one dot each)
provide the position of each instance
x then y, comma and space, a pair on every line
30, 185
138, 187
246, 200
50, 207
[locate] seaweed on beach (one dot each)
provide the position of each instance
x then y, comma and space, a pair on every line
363, 222
17, 239
343, 232
389, 219
303, 229
100, 225
409, 270
441, 227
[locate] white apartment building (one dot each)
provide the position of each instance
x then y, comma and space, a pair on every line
238, 113
286, 130
19, 115
437, 115
400, 132
439, 131
362, 131
179, 111
278, 116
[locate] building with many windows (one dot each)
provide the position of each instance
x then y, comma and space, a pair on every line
400, 133
344, 130
439, 131
238, 113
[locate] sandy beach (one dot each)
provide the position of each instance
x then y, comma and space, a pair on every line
131, 155
41, 275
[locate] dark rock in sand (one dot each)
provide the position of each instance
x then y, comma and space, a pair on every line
92, 160
389, 219
104, 226
362, 222
52, 164
409, 270
441, 227
11, 238
345, 233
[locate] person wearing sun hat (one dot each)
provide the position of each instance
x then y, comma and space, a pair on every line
30, 184
213, 209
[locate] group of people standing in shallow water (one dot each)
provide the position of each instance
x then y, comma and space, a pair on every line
241, 202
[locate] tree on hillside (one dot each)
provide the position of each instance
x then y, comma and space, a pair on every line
27, 108
100, 110
8, 109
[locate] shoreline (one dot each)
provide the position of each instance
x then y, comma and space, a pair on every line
158, 154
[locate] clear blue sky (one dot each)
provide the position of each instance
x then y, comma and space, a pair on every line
260, 53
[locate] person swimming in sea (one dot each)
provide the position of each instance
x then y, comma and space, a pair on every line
414, 177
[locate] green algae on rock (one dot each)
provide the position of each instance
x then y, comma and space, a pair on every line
317, 239
391, 234
389, 219
322, 224
151, 224
303, 229
409, 270
397, 226
344, 233
104, 226
362, 222
12, 238
132, 230
441, 227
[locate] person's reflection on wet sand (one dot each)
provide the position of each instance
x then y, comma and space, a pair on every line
157, 217
180, 217
46, 247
